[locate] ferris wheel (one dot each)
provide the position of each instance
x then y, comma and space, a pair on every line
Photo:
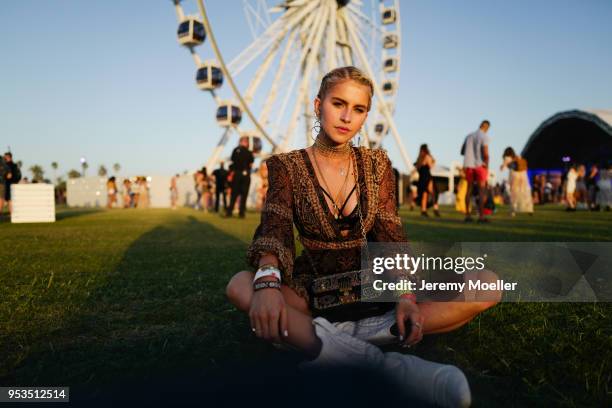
265, 92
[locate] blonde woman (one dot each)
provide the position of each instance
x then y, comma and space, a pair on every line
336, 194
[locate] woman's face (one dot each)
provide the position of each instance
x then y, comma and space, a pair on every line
343, 110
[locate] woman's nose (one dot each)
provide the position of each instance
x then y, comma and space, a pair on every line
346, 116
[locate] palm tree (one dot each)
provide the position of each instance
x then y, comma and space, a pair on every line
102, 172
38, 174
84, 165
54, 166
74, 174
116, 167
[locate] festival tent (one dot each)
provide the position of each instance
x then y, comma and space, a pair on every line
575, 136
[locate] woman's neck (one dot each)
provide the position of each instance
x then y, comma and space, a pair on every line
327, 148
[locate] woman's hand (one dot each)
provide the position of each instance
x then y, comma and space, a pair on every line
268, 313
408, 312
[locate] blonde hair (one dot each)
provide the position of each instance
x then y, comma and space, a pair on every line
335, 76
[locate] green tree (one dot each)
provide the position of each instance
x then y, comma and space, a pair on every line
84, 166
102, 172
74, 174
38, 174
116, 167
19, 163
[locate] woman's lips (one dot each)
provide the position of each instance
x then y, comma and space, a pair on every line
342, 129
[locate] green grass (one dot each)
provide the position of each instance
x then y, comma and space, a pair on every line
101, 297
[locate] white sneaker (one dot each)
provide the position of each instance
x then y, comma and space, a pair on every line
440, 384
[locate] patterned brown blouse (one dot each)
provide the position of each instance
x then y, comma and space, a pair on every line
295, 197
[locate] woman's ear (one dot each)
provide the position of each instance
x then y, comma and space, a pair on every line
317, 107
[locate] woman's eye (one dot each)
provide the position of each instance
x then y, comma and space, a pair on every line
337, 104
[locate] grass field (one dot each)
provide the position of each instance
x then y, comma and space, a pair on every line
103, 297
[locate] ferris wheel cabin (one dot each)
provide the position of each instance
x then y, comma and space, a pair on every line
255, 144
389, 87
390, 64
229, 114
209, 76
191, 32
389, 16
390, 41
381, 129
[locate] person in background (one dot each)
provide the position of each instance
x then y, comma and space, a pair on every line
220, 176
197, 178
127, 193
143, 193
475, 151
173, 191
592, 189
425, 162
570, 188
581, 188
397, 175
242, 161
263, 189
3, 172
520, 192
11, 176
413, 181
111, 191
205, 189
604, 185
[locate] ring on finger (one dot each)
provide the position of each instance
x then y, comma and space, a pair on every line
253, 329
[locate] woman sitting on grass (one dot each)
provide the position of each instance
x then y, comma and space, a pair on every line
336, 194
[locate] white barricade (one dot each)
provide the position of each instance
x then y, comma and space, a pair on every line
33, 203
86, 192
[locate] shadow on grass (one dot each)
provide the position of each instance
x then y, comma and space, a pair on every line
530, 229
66, 212
162, 311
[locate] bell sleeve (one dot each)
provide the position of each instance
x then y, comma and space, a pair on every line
275, 231
387, 224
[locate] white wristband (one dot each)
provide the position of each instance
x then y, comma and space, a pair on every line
268, 271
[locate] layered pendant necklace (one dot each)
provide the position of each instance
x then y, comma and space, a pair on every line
344, 173
333, 151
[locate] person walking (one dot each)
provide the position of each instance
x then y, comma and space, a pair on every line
173, 191
12, 176
592, 189
520, 192
475, 151
426, 188
242, 161
570, 188
220, 176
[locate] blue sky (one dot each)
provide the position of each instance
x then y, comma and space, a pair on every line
107, 80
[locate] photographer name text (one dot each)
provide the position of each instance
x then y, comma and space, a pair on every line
405, 284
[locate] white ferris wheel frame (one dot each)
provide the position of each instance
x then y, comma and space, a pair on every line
297, 41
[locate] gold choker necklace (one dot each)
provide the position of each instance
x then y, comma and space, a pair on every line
333, 151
